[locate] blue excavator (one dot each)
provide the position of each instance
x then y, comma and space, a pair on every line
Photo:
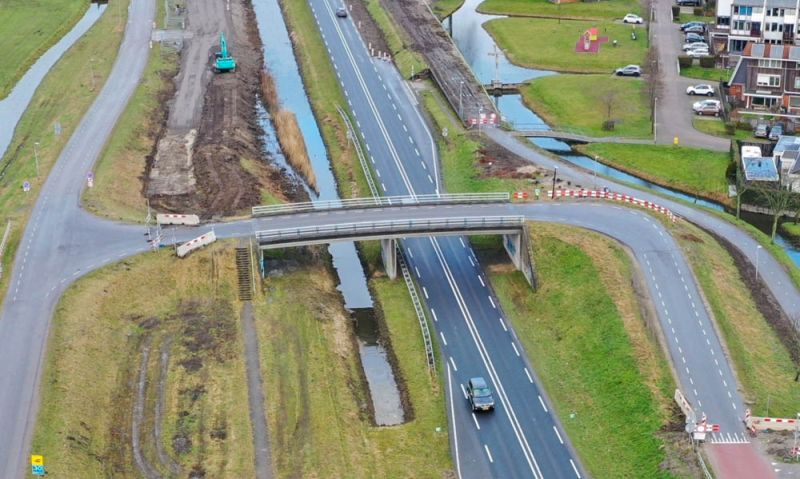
224, 62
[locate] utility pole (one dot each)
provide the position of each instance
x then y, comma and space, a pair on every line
36, 157
461, 100
496, 54
555, 174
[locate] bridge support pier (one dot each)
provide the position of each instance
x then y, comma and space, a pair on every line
389, 256
518, 248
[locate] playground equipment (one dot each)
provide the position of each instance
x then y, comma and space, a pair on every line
224, 61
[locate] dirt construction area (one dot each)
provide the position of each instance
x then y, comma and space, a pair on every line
207, 160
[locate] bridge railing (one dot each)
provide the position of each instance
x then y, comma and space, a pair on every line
388, 227
451, 198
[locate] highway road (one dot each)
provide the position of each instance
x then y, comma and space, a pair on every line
61, 243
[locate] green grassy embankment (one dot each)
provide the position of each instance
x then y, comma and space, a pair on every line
50, 105
28, 29
84, 425
602, 368
716, 127
317, 398
407, 60
117, 193
694, 171
614, 9
584, 102
520, 39
443, 8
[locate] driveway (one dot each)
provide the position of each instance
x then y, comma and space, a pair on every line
673, 106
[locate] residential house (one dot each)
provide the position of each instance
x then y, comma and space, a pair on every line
739, 22
767, 78
785, 154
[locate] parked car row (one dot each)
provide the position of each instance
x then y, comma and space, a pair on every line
763, 130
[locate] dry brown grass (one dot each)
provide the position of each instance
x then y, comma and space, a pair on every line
288, 131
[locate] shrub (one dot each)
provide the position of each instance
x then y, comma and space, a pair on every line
730, 128
685, 61
698, 12
708, 62
608, 125
676, 11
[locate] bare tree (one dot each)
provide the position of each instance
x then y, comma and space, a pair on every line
609, 100
778, 199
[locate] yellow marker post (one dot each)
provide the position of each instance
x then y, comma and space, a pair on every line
37, 460
675, 141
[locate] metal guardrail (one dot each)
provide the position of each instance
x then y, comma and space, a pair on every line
377, 202
389, 226
3, 244
351, 134
423, 322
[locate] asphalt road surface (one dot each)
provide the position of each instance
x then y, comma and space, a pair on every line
61, 243
674, 108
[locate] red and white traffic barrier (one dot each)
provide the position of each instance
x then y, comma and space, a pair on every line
196, 243
520, 195
608, 195
485, 119
773, 423
170, 219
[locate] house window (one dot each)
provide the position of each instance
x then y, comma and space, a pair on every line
740, 25
723, 21
769, 63
768, 80
737, 10
797, 83
794, 101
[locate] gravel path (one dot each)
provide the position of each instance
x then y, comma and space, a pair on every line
255, 394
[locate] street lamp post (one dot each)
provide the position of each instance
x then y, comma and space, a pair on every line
594, 171
758, 250
461, 100
480, 119
36, 157
555, 174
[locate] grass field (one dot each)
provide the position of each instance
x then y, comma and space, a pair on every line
602, 354
763, 365
88, 385
459, 153
49, 105
443, 8
317, 399
407, 60
544, 8
709, 74
716, 127
582, 103
28, 29
791, 228
520, 39
694, 171
117, 193
324, 93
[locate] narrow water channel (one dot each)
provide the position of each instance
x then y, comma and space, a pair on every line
478, 47
282, 64
14, 105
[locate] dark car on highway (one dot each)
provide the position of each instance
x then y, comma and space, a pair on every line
480, 395
341, 12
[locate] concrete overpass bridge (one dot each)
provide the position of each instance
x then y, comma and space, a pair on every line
407, 217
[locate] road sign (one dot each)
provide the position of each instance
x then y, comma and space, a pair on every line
37, 470
26, 186
37, 460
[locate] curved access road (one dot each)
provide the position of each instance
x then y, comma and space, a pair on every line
60, 243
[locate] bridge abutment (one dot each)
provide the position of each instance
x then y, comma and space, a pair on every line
389, 256
517, 246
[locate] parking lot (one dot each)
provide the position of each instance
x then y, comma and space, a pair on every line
674, 113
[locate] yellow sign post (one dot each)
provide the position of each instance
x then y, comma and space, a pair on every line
37, 465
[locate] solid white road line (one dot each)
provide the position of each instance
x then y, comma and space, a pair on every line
455, 431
